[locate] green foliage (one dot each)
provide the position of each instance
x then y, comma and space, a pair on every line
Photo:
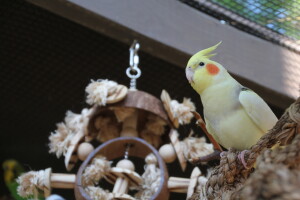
13, 190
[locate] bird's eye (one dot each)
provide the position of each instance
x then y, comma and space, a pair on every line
201, 64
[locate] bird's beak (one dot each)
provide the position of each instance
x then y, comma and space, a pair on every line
189, 72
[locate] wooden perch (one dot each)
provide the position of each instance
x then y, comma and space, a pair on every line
62, 181
184, 185
57, 180
123, 176
130, 125
178, 185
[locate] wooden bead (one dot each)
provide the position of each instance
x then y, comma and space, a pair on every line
84, 150
168, 153
126, 164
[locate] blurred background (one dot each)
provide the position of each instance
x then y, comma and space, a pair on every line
50, 50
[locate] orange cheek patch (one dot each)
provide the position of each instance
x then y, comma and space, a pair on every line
212, 69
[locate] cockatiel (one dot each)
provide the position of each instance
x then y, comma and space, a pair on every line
12, 169
235, 116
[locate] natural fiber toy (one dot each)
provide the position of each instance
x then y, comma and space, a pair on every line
235, 116
122, 176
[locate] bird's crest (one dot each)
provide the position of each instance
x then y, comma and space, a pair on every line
205, 53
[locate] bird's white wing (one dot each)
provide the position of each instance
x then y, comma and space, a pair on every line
257, 109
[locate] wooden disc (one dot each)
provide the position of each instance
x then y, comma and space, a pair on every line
120, 196
193, 182
134, 178
166, 100
47, 182
114, 149
179, 152
118, 95
144, 101
71, 157
140, 100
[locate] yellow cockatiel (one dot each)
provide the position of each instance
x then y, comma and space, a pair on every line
235, 115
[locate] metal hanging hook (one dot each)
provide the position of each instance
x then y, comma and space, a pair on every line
134, 58
133, 71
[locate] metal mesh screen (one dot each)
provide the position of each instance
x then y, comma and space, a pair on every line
277, 21
46, 61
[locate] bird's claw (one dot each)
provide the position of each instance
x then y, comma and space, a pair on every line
241, 157
213, 156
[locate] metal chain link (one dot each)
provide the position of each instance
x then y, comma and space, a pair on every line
127, 148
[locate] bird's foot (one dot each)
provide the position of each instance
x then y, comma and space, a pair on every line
213, 156
241, 157
223, 153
